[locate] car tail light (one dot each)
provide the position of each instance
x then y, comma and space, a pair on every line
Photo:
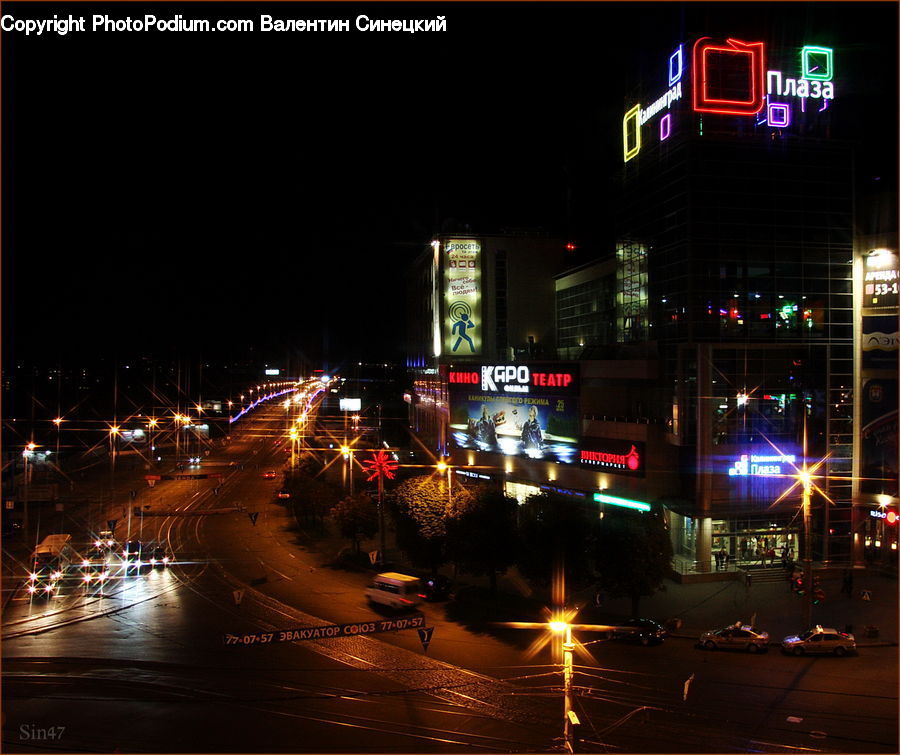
422, 596
404, 600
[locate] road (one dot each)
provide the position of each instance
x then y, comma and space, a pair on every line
143, 668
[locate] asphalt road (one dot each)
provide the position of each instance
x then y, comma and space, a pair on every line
143, 666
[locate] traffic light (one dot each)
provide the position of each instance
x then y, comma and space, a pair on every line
798, 586
818, 596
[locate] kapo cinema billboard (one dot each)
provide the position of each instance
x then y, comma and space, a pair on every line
528, 410
462, 297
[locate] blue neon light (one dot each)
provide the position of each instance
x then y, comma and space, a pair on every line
676, 59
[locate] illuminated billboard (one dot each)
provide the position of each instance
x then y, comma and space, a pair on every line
625, 457
752, 81
462, 297
528, 410
880, 280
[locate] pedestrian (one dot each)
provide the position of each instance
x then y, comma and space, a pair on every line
716, 557
748, 578
724, 556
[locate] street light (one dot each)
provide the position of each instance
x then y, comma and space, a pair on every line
570, 719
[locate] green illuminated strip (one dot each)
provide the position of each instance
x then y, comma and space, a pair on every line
625, 502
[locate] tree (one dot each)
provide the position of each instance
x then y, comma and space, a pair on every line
422, 507
554, 529
357, 518
633, 554
484, 539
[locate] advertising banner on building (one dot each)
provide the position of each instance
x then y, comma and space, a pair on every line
880, 340
881, 278
462, 297
518, 410
625, 457
879, 437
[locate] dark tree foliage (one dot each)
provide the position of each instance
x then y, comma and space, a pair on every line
554, 527
357, 518
484, 538
633, 554
421, 508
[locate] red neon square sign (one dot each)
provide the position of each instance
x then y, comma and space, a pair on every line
729, 78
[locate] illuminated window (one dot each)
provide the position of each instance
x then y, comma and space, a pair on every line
817, 63
631, 293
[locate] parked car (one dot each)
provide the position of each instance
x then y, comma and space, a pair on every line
269, 475
737, 636
436, 588
157, 555
283, 493
644, 631
820, 639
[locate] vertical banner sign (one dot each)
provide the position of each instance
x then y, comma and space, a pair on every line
879, 437
880, 342
462, 297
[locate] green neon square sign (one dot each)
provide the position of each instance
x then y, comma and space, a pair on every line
817, 63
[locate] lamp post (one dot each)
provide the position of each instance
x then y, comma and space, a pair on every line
806, 481
442, 466
379, 467
113, 433
570, 718
58, 421
27, 453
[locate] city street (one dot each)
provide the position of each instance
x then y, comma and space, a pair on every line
155, 652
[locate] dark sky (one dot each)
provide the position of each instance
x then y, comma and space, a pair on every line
212, 191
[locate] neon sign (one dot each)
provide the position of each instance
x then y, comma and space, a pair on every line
627, 503
737, 66
817, 63
613, 455
676, 59
891, 516
731, 78
512, 378
753, 465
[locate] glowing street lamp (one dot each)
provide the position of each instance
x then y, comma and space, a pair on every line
803, 478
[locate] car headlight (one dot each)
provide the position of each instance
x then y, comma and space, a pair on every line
32, 588
165, 559
87, 577
85, 563
48, 588
33, 576
152, 562
103, 576
57, 575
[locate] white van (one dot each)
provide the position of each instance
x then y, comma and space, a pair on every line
399, 591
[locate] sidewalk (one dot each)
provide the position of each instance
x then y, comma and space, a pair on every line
770, 606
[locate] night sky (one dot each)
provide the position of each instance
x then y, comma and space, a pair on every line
206, 192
